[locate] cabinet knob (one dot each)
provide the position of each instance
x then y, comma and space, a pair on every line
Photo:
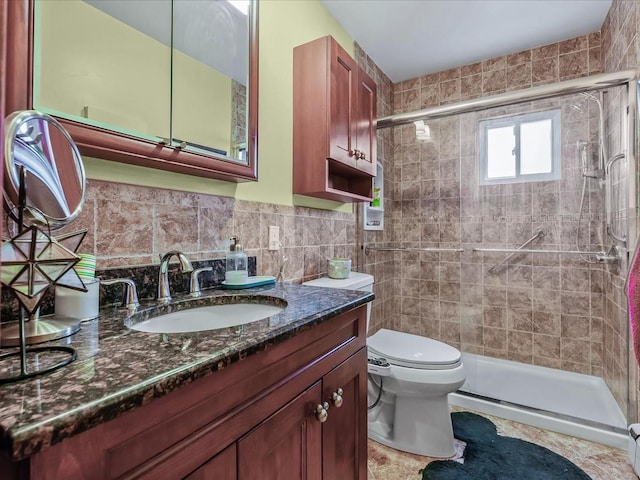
353, 153
321, 412
336, 397
363, 156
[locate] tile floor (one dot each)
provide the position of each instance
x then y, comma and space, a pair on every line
598, 461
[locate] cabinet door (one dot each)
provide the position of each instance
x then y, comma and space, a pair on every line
365, 123
287, 445
344, 73
344, 434
221, 467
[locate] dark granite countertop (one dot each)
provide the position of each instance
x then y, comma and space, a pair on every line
119, 369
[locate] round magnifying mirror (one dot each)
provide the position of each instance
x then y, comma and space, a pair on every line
54, 177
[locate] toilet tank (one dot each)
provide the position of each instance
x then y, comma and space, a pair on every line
355, 281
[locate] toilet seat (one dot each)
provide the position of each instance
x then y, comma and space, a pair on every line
413, 351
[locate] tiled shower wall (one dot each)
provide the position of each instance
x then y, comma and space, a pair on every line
542, 309
620, 51
545, 310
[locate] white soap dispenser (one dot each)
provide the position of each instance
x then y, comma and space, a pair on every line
237, 271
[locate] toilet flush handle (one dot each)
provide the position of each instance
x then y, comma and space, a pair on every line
336, 397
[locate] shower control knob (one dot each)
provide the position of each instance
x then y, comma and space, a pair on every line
336, 398
321, 412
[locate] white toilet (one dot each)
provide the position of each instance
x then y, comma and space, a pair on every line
411, 411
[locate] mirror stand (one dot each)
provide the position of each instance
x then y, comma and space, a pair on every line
36, 330
21, 258
69, 355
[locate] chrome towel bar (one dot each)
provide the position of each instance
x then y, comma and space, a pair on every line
369, 249
516, 250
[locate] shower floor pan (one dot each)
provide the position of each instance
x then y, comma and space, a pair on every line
564, 402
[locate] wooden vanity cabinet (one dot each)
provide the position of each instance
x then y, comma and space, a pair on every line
258, 418
294, 445
334, 123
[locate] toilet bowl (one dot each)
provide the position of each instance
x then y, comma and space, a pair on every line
409, 385
413, 411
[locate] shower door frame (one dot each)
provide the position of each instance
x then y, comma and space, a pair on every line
573, 86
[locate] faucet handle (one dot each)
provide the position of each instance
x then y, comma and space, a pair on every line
130, 291
280, 278
194, 286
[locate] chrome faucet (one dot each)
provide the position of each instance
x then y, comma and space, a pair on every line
130, 291
163, 276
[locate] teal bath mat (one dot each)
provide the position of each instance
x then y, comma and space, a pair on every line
489, 456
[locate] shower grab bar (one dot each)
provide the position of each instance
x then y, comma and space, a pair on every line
369, 249
620, 238
539, 234
515, 250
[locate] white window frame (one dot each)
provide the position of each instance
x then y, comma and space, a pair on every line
516, 121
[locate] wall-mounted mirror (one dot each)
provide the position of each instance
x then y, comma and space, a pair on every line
168, 84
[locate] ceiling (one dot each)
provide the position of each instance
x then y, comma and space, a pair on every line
410, 38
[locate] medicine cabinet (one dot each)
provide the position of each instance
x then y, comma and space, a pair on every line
104, 59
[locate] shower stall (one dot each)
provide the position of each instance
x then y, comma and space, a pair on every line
510, 236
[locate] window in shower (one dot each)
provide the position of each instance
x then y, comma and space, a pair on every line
520, 148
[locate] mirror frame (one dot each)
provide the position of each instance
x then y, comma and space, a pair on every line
16, 71
38, 214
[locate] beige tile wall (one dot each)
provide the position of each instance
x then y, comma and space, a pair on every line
620, 51
386, 306
572, 58
132, 225
545, 310
556, 312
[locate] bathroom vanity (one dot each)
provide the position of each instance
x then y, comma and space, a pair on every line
283, 397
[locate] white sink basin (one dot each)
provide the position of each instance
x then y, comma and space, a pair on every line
209, 317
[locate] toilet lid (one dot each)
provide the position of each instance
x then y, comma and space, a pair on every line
414, 351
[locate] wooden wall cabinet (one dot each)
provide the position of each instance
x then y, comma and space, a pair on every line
257, 418
334, 124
